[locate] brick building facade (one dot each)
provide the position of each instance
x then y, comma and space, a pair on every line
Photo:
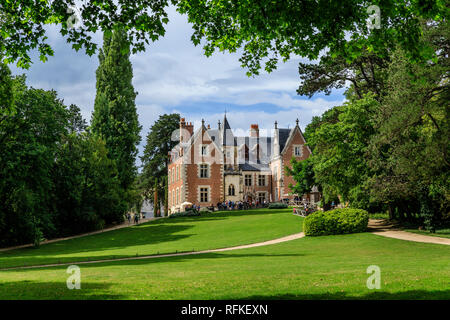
212, 165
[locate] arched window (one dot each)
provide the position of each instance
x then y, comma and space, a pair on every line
231, 190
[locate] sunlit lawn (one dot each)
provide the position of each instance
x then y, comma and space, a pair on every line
331, 267
217, 230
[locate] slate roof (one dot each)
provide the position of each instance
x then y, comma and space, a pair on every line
283, 135
227, 134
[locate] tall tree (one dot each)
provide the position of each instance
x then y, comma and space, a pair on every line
115, 118
155, 160
410, 152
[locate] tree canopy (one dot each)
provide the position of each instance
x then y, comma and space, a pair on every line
264, 30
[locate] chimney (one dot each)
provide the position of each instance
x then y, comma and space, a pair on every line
254, 131
185, 126
190, 128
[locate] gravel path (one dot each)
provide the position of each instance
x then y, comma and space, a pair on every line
385, 229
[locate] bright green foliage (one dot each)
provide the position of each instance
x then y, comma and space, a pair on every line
22, 24
337, 221
303, 174
265, 30
339, 154
115, 119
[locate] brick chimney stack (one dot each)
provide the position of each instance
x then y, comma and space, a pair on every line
186, 126
254, 131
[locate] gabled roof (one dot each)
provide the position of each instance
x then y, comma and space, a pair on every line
227, 134
291, 136
283, 136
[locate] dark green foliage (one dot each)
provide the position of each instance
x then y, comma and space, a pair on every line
278, 205
55, 177
337, 221
161, 139
86, 188
115, 119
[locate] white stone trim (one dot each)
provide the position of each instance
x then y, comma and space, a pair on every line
209, 193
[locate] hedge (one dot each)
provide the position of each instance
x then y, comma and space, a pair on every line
278, 205
188, 213
337, 221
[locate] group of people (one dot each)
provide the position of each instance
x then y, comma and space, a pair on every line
135, 218
240, 205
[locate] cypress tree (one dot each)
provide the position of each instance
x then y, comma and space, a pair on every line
115, 118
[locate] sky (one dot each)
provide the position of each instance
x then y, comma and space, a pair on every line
173, 75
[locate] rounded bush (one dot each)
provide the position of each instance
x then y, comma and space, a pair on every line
337, 221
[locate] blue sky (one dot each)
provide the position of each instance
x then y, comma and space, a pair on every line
173, 75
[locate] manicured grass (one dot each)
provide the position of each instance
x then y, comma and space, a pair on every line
330, 267
379, 215
216, 230
443, 233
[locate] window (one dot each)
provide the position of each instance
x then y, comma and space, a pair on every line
178, 195
168, 177
170, 199
178, 173
203, 194
204, 150
204, 171
231, 190
248, 180
261, 197
173, 197
261, 180
298, 150
173, 175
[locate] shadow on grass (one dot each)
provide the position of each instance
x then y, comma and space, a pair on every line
378, 295
150, 233
27, 289
112, 240
148, 261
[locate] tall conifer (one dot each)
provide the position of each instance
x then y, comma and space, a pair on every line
115, 118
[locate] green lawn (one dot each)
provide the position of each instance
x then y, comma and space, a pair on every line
217, 230
331, 267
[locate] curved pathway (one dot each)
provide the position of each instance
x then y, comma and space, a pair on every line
252, 245
383, 228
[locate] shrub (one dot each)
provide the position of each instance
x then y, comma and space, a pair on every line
337, 221
278, 205
188, 213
